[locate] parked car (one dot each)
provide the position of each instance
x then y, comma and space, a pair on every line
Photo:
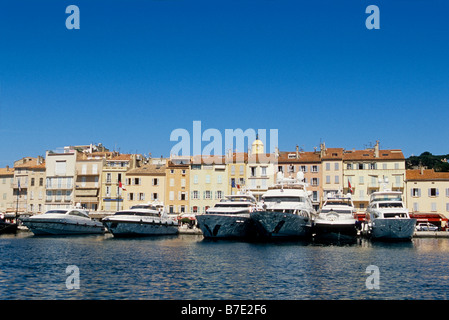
426, 226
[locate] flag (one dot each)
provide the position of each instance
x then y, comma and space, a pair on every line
120, 186
349, 186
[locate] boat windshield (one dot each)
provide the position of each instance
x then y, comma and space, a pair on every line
284, 199
337, 211
387, 197
137, 213
231, 205
391, 205
56, 211
143, 206
339, 202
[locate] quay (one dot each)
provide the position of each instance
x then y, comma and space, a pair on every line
431, 234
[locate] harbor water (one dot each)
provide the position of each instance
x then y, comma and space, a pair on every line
188, 267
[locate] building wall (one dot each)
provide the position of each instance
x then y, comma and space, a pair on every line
177, 182
208, 185
36, 190
144, 188
60, 180
88, 182
6, 189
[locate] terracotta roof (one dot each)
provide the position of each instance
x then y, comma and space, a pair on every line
208, 159
148, 169
427, 174
304, 157
369, 155
122, 157
6, 172
333, 154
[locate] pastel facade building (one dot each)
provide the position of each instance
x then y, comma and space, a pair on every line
144, 184
208, 182
331, 170
60, 179
427, 192
236, 169
260, 169
113, 180
89, 168
6, 189
290, 163
366, 171
177, 182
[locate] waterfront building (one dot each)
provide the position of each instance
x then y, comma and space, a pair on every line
260, 169
308, 162
37, 187
427, 192
89, 167
332, 170
177, 175
208, 182
113, 180
60, 176
144, 184
236, 169
366, 171
6, 189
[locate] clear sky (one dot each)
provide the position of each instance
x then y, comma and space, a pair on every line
136, 70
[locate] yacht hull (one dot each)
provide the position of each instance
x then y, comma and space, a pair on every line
281, 225
139, 228
222, 226
392, 229
59, 227
335, 230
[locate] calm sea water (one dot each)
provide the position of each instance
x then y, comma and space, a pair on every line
188, 267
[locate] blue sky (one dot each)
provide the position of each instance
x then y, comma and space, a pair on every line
137, 70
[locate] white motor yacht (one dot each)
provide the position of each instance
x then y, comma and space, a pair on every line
141, 220
387, 218
287, 209
336, 218
229, 218
63, 222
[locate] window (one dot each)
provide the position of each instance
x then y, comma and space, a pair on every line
195, 179
207, 178
315, 181
130, 196
416, 192
433, 206
433, 192
349, 166
336, 166
280, 169
84, 169
372, 166
195, 209
219, 194
41, 182
60, 167
415, 206
314, 168
384, 166
232, 170
83, 181
328, 179
337, 179
95, 168
315, 196
171, 195
253, 171
108, 178
183, 196
447, 192
108, 191
137, 181
32, 182
219, 179
172, 182
303, 168
447, 206
264, 171
207, 194
183, 182
361, 180
328, 166
360, 166
142, 196
396, 166
241, 170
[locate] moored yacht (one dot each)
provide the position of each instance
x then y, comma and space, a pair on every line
387, 218
336, 218
229, 218
72, 221
287, 209
141, 220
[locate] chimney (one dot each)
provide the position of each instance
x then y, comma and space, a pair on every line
297, 152
376, 149
7, 168
322, 149
421, 168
